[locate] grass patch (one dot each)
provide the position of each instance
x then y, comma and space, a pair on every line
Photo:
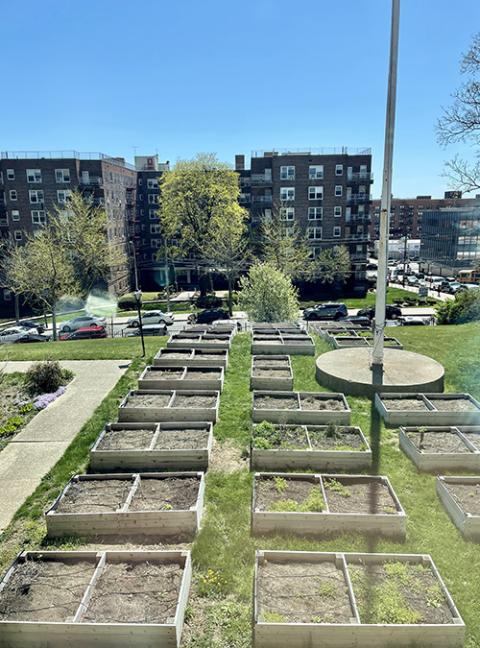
393, 295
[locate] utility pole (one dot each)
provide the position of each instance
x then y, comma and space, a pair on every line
167, 275
381, 297
138, 297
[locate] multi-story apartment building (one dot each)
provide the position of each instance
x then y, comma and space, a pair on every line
406, 214
326, 193
32, 184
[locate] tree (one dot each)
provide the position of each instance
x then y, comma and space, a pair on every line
461, 122
332, 264
268, 295
464, 308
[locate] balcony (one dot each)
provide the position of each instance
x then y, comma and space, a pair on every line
360, 176
262, 200
357, 198
3, 221
94, 181
260, 179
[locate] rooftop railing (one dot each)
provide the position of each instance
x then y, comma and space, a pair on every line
342, 150
64, 155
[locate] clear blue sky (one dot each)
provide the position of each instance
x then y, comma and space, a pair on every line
216, 75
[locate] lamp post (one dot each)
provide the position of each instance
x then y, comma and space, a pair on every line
138, 299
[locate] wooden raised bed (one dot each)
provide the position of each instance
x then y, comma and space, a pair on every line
306, 504
434, 449
271, 373
307, 447
153, 446
195, 340
427, 409
304, 599
159, 504
77, 599
461, 498
283, 344
315, 408
182, 378
169, 405
191, 358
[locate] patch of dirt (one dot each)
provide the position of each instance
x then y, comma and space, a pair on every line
45, 590
193, 438
163, 374
453, 404
438, 442
265, 361
313, 402
350, 342
199, 374
95, 496
473, 437
344, 436
203, 355
194, 400
226, 457
135, 593
276, 402
372, 497
274, 338
171, 493
288, 437
271, 372
126, 439
467, 495
148, 400
399, 404
303, 593
267, 493
167, 353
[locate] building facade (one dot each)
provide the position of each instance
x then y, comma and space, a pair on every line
326, 193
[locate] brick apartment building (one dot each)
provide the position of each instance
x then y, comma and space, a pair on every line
326, 193
33, 183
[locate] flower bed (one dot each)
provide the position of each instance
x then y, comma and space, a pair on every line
298, 343
271, 373
159, 406
182, 378
428, 409
191, 358
314, 408
461, 498
434, 449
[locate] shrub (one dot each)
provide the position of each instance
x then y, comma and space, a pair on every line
268, 295
464, 308
45, 377
208, 301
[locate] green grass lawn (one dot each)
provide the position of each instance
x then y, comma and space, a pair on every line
219, 613
393, 295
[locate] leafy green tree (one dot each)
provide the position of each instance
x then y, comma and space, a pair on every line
268, 295
332, 265
464, 308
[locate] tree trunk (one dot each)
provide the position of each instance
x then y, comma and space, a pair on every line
54, 325
230, 300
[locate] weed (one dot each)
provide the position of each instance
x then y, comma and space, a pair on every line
210, 583
337, 487
281, 484
273, 617
327, 589
313, 503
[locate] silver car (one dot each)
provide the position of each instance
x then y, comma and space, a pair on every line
151, 317
14, 333
81, 322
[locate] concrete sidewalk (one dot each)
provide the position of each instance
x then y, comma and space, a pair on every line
38, 447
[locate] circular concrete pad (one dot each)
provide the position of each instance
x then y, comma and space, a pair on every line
349, 371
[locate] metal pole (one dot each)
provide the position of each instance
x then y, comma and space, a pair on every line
135, 271
167, 277
139, 311
381, 298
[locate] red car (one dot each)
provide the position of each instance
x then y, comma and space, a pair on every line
85, 333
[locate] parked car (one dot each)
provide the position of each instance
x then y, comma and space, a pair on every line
85, 333
151, 317
31, 324
329, 310
391, 312
208, 316
32, 336
83, 321
149, 329
358, 319
410, 320
12, 334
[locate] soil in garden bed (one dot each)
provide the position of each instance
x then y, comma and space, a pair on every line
399, 404
174, 354
126, 439
303, 593
44, 590
343, 438
191, 439
351, 342
172, 493
467, 496
370, 497
473, 437
163, 374
318, 403
280, 437
276, 402
398, 593
135, 593
194, 400
280, 494
209, 356
95, 496
437, 442
453, 404
264, 363
148, 400
271, 372
198, 374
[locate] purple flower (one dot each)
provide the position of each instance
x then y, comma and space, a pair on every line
42, 401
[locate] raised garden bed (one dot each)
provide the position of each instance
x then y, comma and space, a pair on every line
210, 378
326, 504
191, 358
434, 449
308, 447
461, 498
338, 600
159, 406
90, 598
160, 504
428, 409
271, 373
314, 408
153, 446
283, 344
192, 340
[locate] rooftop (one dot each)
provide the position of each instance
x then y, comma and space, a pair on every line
64, 155
341, 150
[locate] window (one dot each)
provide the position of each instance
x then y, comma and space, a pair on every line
339, 169
267, 213
155, 228
18, 235
314, 233
287, 193
62, 175
152, 183
363, 171
36, 195
15, 215
62, 196
152, 214
140, 182
337, 231
315, 193
156, 243
315, 213
315, 172
152, 199
338, 190
7, 294
287, 173
10, 174
13, 194
38, 217
34, 175
337, 211
287, 213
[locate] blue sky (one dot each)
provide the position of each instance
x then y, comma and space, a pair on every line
215, 75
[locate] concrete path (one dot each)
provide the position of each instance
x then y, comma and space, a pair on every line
38, 447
